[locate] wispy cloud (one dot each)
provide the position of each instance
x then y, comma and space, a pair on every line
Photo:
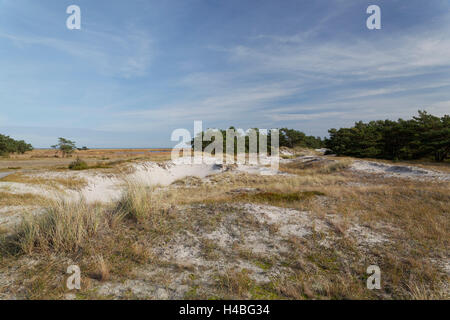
128, 55
358, 79
144, 70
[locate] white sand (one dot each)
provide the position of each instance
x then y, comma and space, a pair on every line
150, 173
109, 187
23, 188
322, 150
11, 215
399, 171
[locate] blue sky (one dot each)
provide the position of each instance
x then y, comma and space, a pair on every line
138, 69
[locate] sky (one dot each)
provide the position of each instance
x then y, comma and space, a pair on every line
139, 69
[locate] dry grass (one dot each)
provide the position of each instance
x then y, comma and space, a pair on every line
64, 227
315, 167
92, 153
68, 183
11, 199
96, 158
140, 203
110, 242
103, 269
275, 198
235, 283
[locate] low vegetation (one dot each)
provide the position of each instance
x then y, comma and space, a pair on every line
78, 164
275, 198
173, 238
63, 227
308, 233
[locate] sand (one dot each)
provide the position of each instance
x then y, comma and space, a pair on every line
399, 171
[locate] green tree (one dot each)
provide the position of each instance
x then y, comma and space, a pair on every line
9, 145
433, 135
421, 137
293, 138
65, 146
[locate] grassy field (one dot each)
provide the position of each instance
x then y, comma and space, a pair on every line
309, 232
49, 158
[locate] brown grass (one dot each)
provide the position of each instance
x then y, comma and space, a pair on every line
110, 242
64, 227
69, 183
97, 158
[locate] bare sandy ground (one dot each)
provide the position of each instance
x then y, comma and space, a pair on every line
5, 174
107, 187
269, 230
399, 171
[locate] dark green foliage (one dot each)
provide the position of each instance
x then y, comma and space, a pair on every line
293, 138
9, 145
423, 136
78, 165
288, 138
238, 135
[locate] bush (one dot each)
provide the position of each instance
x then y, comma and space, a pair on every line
78, 165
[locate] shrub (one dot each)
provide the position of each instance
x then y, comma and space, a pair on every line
78, 165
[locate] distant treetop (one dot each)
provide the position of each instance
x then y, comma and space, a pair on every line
9, 145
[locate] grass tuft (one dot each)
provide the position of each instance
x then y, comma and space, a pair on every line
63, 227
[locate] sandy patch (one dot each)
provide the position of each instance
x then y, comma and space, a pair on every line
23, 188
398, 171
12, 215
109, 187
150, 173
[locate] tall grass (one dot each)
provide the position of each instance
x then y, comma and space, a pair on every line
63, 227
139, 202
68, 226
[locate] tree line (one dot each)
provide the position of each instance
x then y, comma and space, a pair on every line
423, 136
9, 145
290, 138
